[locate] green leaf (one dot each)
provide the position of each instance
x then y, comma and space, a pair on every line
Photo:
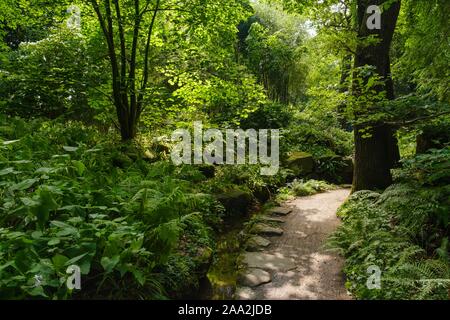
46, 204
37, 292
36, 234
67, 232
10, 142
59, 261
76, 259
6, 171
136, 245
29, 202
59, 224
80, 167
23, 185
54, 242
70, 149
109, 263
139, 276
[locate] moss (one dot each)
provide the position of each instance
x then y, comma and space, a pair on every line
236, 202
301, 163
223, 273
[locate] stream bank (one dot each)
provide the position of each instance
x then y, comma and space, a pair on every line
287, 260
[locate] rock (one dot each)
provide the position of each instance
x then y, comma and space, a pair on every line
209, 171
244, 293
272, 219
236, 202
255, 243
121, 160
223, 292
266, 230
280, 211
262, 194
301, 163
265, 261
204, 258
255, 277
301, 234
204, 255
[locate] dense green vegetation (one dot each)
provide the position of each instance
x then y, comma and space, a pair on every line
403, 231
90, 96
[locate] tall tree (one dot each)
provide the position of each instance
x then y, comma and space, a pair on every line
376, 150
122, 23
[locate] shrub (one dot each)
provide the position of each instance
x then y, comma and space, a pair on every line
300, 188
404, 231
64, 201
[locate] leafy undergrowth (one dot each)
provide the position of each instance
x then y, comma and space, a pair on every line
403, 231
69, 196
300, 188
138, 229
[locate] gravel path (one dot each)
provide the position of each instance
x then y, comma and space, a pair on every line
311, 273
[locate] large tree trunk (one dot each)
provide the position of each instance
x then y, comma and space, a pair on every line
377, 154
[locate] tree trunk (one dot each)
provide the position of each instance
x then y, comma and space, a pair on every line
377, 154
128, 95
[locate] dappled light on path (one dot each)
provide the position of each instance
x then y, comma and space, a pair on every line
299, 265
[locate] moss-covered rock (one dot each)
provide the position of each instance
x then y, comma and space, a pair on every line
121, 160
301, 163
256, 243
204, 259
266, 230
236, 202
262, 194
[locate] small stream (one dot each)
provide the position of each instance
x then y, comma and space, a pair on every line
221, 280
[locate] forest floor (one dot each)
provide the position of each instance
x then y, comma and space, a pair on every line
296, 262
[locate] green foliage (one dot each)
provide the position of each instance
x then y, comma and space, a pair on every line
71, 193
430, 169
247, 177
58, 75
422, 60
269, 116
300, 188
71, 205
273, 48
404, 231
314, 135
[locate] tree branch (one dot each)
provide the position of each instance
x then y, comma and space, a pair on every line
146, 58
123, 52
413, 121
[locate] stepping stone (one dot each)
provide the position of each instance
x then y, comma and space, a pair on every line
255, 277
265, 230
301, 234
280, 211
244, 293
255, 243
271, 262
272, 219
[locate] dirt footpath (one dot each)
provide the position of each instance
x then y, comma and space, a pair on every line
295, 262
